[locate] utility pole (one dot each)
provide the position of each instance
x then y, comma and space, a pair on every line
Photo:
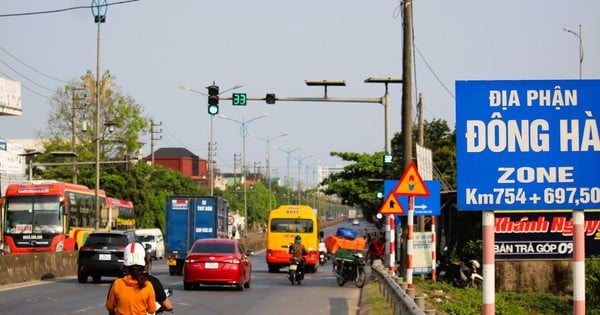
153, 138
407, 61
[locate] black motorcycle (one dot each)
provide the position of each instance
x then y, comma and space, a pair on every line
463, 274
352, 269
295, 272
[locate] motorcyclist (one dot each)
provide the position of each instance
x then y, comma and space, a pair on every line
376, 249
159, 291
298, 252
133, 293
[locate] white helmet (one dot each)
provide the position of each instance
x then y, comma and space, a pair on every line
134, 255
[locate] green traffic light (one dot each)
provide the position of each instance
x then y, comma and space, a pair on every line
213, 109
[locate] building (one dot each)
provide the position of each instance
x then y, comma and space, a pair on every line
182, 160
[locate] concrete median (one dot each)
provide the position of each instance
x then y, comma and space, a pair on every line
37, 266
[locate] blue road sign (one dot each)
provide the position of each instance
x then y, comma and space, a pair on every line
424, 206
528, 144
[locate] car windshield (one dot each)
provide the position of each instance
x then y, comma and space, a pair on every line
146, 238
106, 240
292, 225
214, 248
39, 214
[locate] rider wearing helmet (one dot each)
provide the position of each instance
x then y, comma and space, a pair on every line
133, 293
159, 291
298, 252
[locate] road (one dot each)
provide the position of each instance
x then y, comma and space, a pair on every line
270, 293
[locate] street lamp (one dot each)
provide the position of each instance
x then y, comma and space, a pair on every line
268, 160
289, 152
29, 154
579, 36
244, 132
299, 167
99, 9
211, 143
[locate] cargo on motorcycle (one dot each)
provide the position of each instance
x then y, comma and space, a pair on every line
348, 256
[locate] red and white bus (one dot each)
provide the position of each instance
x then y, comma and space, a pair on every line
121, 215
48, 216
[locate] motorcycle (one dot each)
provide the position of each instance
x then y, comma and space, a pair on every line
322, 253
295, 273
352, 269
463, 274
159, 309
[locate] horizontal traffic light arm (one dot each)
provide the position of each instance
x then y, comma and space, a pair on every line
376, 100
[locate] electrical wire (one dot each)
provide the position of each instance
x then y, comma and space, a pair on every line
61, 10
32, 68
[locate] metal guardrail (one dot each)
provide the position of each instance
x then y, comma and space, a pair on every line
402, 302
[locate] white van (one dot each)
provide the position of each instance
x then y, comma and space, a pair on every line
155, 239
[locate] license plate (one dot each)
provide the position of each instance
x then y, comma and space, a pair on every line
171, 262
211, 265
104, 256
293, 267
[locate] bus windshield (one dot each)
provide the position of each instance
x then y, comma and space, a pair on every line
38, 214
292, 225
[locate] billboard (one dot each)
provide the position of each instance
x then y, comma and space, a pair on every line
542, 235
10, 97
527, 145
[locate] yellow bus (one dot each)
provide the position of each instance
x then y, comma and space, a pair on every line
284, 224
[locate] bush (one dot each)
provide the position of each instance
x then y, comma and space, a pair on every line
592, 284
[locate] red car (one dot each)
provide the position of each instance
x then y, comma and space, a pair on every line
217, 261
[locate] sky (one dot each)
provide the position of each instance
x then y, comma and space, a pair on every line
154, 47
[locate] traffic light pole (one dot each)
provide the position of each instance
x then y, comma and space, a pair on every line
385, 101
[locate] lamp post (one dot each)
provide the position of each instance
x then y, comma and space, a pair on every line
244, 132
299, 167
211, 143
289, 152
579, 36
268, 161
99, 9
29, 155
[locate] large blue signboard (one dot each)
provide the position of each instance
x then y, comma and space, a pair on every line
528, 144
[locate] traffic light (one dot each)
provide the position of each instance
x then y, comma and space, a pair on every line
270, 98
378, 220
388, 171
213, 99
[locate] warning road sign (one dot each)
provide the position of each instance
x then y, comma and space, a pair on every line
411, 183
391, 206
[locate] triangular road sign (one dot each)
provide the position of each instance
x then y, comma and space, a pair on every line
391, 206
411, 183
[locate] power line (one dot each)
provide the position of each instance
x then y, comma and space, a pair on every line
30, 67
60, 10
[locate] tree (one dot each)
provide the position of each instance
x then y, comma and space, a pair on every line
353, 184
146, 186
69, 104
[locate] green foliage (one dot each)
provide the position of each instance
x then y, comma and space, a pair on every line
447, 299
592, 284
257, 202
352, 185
